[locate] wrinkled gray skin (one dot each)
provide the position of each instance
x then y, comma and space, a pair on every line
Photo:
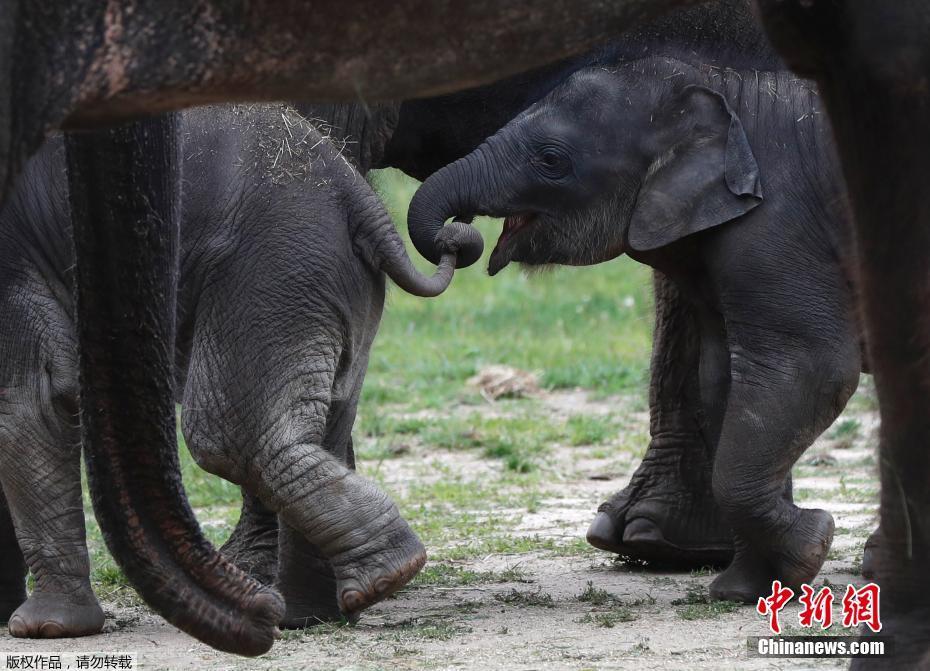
727, 183
283, 257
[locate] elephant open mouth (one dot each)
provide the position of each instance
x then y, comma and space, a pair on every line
503, 253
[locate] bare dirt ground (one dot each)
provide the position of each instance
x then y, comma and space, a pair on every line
549, 601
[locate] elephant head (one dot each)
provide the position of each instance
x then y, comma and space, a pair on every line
608, 162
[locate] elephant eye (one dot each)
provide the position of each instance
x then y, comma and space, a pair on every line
553, 162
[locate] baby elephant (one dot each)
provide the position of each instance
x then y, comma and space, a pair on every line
284, 252
727, 183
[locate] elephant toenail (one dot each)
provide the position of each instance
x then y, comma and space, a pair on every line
17, 627
640, 530
352, 600
51, 630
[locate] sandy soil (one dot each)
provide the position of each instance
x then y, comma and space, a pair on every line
539, 622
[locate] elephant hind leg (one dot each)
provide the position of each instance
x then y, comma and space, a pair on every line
12, 565
306, 578
276, 553
766, 429
350, 529
279, 453
253, 544
307, 581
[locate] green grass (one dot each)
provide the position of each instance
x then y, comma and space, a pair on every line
608, 619
448, 575
526, 599
697, 605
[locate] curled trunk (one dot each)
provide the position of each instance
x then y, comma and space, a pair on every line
124, 196
451, 192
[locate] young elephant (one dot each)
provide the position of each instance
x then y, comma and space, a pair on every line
283, 257
727, 183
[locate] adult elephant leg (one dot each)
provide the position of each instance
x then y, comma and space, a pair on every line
667, 513
872, 62
253, 544
124, 186
12, 566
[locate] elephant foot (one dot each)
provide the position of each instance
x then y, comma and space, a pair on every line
51, 615
253, 544
255, 553
748, 577
800, 553
11, 598
370, 574
665, 515
869, 555
795, 558
307, 583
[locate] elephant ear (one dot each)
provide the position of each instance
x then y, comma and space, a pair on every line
704, 173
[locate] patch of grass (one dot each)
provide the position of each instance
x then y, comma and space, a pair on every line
447, 575
589, 430
856, 494
594, 595
845, 428
526, 599
845, 433
435, 629
707, 611
697, 605
110, 576
608, 619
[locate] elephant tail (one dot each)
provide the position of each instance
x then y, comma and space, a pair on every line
378, 241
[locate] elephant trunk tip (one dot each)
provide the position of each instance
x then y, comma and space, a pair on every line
461, 239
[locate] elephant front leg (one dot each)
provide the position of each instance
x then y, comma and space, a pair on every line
12, 566
667, 513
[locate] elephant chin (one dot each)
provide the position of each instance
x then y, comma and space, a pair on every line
507, 245
500, 259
